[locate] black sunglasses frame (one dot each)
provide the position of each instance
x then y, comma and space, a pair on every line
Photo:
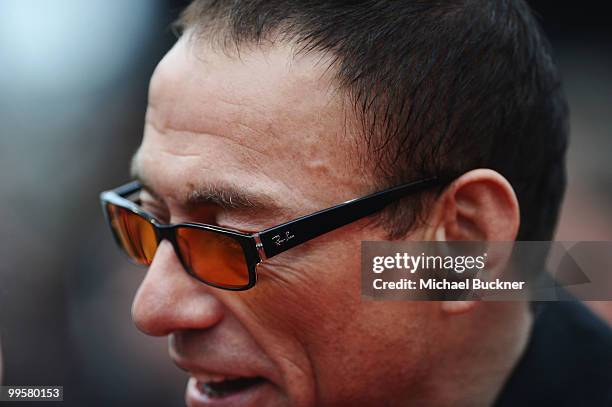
265, 244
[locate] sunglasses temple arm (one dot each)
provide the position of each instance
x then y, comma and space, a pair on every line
283, 237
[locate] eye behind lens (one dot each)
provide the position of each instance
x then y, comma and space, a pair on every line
213, 257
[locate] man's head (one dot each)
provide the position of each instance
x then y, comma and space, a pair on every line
267, 111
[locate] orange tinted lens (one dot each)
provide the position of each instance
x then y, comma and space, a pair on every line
213, 257
135, 234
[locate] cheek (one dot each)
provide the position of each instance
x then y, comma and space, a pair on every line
322, 334
308, 289
301, 302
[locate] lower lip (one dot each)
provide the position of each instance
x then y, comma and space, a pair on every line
255, 395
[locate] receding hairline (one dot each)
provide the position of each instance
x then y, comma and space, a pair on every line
220, 36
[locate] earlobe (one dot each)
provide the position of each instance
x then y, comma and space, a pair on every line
457, 307
440, 234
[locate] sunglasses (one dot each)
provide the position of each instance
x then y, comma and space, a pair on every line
225, 258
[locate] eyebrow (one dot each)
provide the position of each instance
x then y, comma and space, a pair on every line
224, 195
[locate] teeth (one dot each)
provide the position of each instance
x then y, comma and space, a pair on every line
209, 391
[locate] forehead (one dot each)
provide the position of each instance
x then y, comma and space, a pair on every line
264, 120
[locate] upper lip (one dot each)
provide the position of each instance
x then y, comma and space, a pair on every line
210, 370
215, 369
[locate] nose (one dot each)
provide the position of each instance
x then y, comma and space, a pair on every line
170, 300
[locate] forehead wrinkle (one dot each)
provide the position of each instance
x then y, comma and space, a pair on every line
176, 88
227, 97
240, 137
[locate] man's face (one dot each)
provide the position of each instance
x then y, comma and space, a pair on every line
273, 127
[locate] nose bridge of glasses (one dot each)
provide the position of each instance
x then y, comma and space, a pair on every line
165, 232
168, 232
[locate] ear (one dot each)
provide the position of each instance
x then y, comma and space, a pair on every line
479, 205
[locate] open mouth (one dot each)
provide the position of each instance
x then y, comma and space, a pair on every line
228, 387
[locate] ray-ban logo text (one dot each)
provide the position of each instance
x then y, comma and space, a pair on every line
282, 239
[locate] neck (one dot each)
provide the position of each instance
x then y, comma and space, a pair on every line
481, 348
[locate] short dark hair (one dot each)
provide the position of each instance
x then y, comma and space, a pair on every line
439, 86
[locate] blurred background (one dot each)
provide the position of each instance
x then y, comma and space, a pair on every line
73, 85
